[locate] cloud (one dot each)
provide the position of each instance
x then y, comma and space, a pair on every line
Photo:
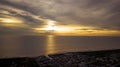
17, 12
20, 6
102, 14
86, 12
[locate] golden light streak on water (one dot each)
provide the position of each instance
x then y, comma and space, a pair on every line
50, 48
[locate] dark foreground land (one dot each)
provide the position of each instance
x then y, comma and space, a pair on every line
109, 58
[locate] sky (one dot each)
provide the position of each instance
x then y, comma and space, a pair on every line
70, 17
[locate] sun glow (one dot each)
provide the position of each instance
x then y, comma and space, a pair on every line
9, 20
53, 28
71, 29
57, 28
12, 22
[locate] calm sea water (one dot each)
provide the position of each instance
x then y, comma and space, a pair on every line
30, 46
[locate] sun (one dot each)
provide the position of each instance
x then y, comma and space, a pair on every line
50, 26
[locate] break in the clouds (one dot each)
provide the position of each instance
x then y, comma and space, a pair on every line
103, 14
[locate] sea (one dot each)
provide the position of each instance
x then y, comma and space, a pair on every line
33, 46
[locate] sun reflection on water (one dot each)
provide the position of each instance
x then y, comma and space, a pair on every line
50, 48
